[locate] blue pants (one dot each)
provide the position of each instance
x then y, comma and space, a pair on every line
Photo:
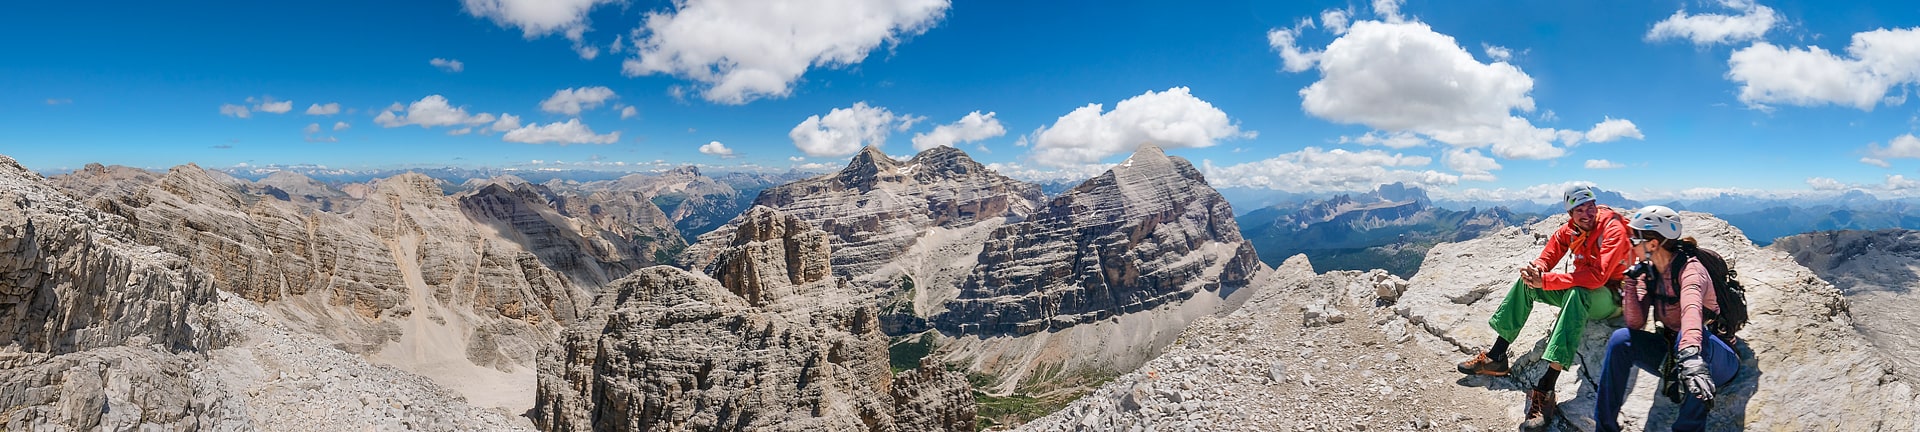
1627, 348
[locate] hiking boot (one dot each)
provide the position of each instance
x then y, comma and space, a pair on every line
1540, 409
1483, 364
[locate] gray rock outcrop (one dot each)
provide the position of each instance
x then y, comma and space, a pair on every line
100, 332
1144, 234
877, 209
777, 346
1877, 271
1388, 366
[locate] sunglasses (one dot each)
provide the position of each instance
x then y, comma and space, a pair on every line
1639, 237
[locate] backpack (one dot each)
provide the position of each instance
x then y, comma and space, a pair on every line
1727, 291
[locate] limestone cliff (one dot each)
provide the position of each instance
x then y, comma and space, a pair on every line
1877, 271
103, 333
879, 211
773, 344
1146, 233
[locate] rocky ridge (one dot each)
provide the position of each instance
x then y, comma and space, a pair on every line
1036, 295
774, 343
404, 278
883, 213
1147, 232
1877, 271
1803, 367
102, 332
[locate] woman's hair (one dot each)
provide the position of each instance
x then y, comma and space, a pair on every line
1685, 243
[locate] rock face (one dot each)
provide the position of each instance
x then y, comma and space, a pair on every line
303, 191
1278, 363
405, 278
1877, 271
694, 202
775, 347
1804, 366
592, 238
1388, 365
103, 333
772, 256
877, 208
1089, 285
1144, 234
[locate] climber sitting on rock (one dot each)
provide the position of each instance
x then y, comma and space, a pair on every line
1681, 299
1599, 240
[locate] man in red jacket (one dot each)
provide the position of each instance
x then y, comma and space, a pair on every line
1598, 239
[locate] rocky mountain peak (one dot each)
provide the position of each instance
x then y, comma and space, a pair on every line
667, 348
409, 186
683, 171
868, 169
196, 185
294, 186
772, 255
1401, 192
946, 162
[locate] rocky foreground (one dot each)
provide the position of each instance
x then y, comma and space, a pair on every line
770, 342
1877, 271
1364, 351
102, 332
194, 300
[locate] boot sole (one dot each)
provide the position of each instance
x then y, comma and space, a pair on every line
1479, 372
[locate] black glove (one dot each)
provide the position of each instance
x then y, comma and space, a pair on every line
1694, 376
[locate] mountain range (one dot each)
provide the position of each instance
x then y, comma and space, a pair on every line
929, 293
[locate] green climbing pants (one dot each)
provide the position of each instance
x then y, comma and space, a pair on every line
1577, 305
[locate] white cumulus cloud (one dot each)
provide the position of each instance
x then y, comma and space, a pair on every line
430, 111
1497, 53
1613, 129
1169, 119
1405, 77
507, 122
569, 132
574, 100
1397, 140
1875, 62
340, 126
449, 65
1905, 146
236, 111
1603, 164
1471, 164
741, 50
268, 105
971, 128
1710, 29
843, 131
628, 112
1869, 160
312, 129
537, 18
1336, 20
716, 149
328, 109
1315, 170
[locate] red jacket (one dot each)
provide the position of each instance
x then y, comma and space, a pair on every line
1598, 257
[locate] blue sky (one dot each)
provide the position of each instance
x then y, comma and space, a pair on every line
1472, 98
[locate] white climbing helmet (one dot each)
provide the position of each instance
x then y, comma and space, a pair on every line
1659, 219
1575, 196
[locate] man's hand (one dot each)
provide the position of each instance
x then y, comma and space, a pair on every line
1531, 276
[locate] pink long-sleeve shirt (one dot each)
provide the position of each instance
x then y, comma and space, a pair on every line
1687, 316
